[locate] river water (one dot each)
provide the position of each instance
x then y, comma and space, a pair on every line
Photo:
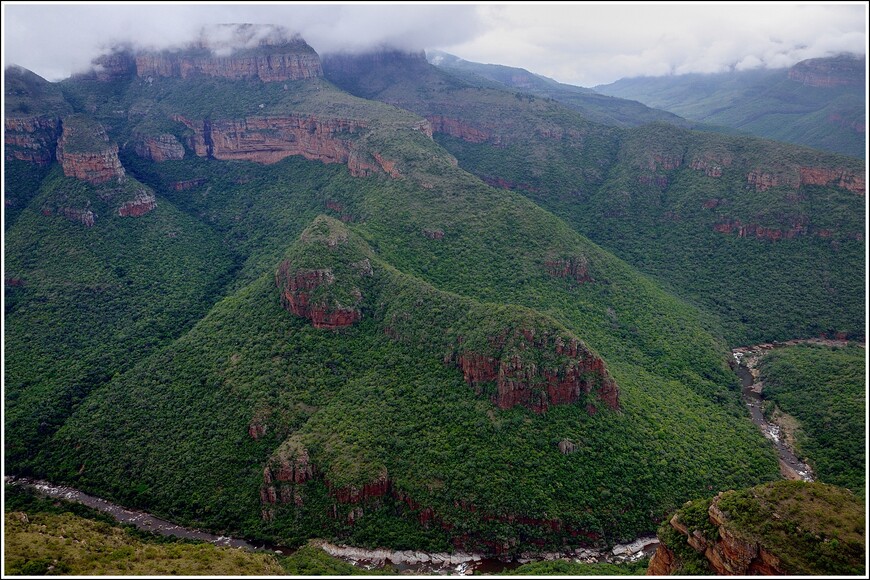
789, 465
406, 562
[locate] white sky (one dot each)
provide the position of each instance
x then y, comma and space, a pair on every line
578, 43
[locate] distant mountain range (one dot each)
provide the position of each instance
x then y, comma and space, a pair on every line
365, 298
819, 103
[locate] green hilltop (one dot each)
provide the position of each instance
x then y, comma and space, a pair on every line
326, 326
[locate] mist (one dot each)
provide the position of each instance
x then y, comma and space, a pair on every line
579, 44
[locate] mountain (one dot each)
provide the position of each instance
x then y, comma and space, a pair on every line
753, 230
784, 528
591, 104
819, 103
245, 299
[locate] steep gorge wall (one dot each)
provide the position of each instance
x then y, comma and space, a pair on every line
271, 139
272, 67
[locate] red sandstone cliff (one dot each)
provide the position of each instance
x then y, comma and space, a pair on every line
85, 152
829, 72
159, 148
139, 205
794, 177
728, 555
575, 268
458, 128
297, 288
32, 139
575, 371
271, 139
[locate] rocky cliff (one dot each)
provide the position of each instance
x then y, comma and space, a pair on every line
157, 148
270, 60
299, 294
32, 116
838, 71
780, 528
522, 377
32, 139
271, 139
85, 152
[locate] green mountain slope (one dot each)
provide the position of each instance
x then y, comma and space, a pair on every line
760, 233
435, 362
825, 112
781, 528
84, 303
824, 389
592, 105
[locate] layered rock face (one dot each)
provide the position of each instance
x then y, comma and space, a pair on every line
520, 380
829, 72
159, 148
575, 268
139, 205
728, 555
32, 139
796, 177
271, 139
114, 66
458, 128
297, 289
85, 152
269, 62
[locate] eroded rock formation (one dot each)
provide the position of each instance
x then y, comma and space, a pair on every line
575, 371
159, 148
271, 139
139, 205
727, 555
298, 295
32, 139
85, 152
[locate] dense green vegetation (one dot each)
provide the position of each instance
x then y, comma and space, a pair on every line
811, 528
55, 537
763, 102
645, 194
93, 301
825, 390
594, 106
150, 360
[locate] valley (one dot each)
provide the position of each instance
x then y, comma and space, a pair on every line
367, 301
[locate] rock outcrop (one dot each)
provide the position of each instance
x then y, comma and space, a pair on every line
85, 152
287, 468
139, 205
779, 531
575, 268
762, 233
32, 139
159, 148
252, 52
458, 128
842, 178
797, 176
271, 139
831, 72
574, 372
298, 289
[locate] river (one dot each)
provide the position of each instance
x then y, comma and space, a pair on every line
405, 562
747, 359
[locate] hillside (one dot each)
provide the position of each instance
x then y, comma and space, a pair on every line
592, 105
819, 103
284, 311
789, 528
767, 236
555, 363
822, 391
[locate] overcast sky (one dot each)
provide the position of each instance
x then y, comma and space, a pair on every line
576, 43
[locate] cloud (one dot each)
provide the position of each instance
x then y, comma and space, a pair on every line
595, 44
56, 41
585, 44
